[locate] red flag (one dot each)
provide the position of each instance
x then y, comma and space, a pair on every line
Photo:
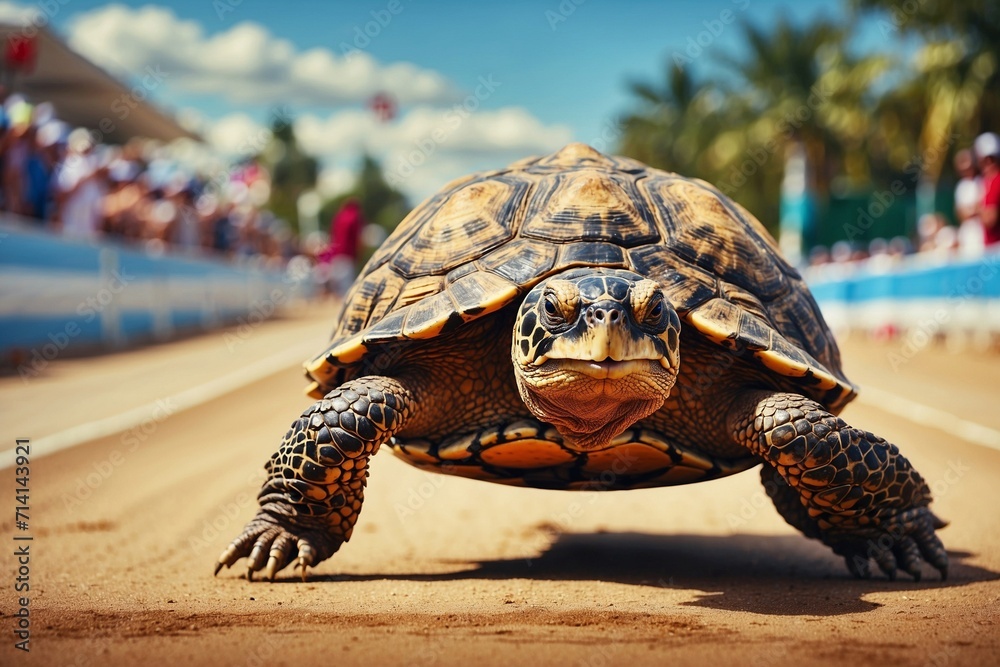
21, 53
383, 106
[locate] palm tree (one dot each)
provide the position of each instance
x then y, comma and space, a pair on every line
673, 124
806, 89
951, 89
795, 91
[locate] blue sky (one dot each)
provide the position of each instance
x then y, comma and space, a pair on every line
560, 70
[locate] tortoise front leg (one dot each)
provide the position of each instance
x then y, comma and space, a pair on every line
312, 497
860, 496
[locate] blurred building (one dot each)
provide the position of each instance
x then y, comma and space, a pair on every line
39, 65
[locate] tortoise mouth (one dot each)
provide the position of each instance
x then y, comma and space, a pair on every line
609, 369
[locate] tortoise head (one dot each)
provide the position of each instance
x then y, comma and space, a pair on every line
595, 351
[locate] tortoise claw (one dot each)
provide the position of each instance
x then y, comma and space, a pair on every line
269, 544
271, 569
900, 542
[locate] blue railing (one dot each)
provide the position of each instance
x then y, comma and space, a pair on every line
58, 294
923, 291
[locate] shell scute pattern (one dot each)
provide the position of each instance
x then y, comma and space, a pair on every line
528, 453
475, 218
591, 205
485, 240
701, 229
520, 261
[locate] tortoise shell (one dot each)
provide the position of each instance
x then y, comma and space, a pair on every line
486, 239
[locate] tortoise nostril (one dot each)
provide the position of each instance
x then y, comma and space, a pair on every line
614, 315
599, 314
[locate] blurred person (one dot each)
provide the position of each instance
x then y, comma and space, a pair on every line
899, 247
37, 178
81, 187
879, 259
345, 241
51, 143
223, 230
968, 195
187, 228
213, 214
878, 248
245, 224
819, 256
928, 227
18, 146
841, 252
4, 138
159, 220
121, 216
859, 254
987, 148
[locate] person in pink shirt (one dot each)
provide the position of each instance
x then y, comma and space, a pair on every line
987, 149
341, 255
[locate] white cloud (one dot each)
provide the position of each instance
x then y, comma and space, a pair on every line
13, 12
419, 152
335, 180
246, 63
237, 135
428, 147
510, 129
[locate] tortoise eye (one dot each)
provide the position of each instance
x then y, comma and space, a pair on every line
654, 316
555, 314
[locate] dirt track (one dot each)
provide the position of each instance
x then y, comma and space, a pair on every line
444, 570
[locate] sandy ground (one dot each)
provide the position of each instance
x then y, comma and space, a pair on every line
444, 570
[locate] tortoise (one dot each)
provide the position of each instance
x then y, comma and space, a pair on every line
585, 322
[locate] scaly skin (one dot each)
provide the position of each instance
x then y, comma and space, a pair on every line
312, 497
860, 495
850, 489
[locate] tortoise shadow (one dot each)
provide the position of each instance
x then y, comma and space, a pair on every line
762, 574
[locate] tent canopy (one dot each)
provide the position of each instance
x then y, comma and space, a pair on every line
82, 93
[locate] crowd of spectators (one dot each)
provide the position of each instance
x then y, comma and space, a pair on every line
977, 197
59, 178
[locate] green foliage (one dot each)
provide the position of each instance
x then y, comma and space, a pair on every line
863, 120
380, 203
292, 170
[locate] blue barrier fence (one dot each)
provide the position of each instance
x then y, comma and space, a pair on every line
937, 295
57, 294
